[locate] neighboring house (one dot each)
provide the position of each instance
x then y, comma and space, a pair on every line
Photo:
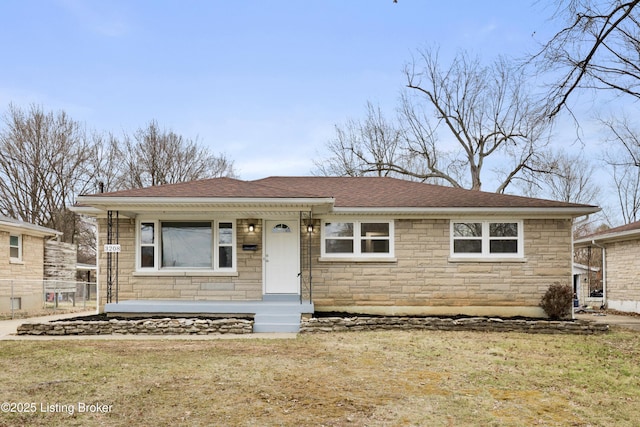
360, 245
22, 255
586, 288
621, 268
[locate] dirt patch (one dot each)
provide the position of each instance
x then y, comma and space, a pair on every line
621, 313
326, 314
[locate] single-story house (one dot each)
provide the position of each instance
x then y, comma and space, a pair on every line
22, 255
621, 269
371, 245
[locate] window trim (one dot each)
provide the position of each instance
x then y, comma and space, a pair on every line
19, 247
486, 239
357, 254
157, 245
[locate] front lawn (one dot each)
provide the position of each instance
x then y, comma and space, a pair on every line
359, 378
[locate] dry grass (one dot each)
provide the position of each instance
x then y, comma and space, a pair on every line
354, 379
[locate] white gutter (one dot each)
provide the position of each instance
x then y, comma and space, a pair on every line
621, 235
558, 212
28, 228
135, 201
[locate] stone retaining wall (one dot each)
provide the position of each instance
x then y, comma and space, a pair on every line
140, 326
364, 323
184, 326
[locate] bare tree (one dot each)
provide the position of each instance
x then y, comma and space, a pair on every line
622, 132
571, 179
156, 156
627, 186
43, 165
452, 121
108, 163
623, 157
364, 147
485, 112
597, 48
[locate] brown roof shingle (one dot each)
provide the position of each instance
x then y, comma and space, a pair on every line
393, 192
210, 188
613, 232
365, 192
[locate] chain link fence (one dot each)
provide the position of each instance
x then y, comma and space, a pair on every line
25, 298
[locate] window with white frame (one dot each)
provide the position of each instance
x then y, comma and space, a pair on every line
206, 245
357, 238
491, 239
15, 246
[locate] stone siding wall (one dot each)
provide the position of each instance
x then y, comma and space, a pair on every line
623, 275
425, 276
22, 279
31, 267
246, 284
422, 279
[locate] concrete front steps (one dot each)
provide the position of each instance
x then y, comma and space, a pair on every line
280, 313
275, 313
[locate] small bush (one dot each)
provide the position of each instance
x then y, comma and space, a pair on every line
557, 301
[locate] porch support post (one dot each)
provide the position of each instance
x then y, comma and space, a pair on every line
112, 262
309, 239
109, 256
308, 227
117, 253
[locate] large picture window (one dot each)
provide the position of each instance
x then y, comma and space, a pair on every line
357, 238
486, 239
207, 245
186, 244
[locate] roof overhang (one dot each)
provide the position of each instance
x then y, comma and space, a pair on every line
607, 238
27, 228
581, 268
131, 207
448, 212
134, 206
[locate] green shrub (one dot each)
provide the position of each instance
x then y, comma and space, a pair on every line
557, 301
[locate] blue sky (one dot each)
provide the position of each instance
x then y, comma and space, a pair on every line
264, 82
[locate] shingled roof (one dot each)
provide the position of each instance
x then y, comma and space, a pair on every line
393, 192
345, 192
623, 232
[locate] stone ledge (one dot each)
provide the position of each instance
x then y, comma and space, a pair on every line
366, 323
167, 326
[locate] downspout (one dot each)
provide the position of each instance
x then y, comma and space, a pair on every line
604, 273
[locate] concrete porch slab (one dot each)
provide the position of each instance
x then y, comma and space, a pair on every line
164, 307
276, 313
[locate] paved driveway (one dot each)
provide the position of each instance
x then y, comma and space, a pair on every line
10, 327
630, 322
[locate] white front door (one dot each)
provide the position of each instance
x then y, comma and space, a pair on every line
281, 257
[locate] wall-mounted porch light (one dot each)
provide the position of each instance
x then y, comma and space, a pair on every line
310, 228
252, 228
